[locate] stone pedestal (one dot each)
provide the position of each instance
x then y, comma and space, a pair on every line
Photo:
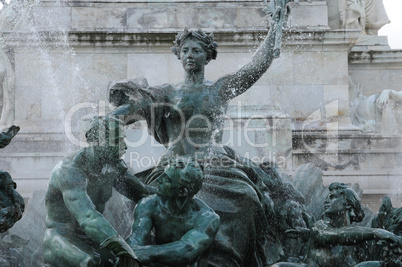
374, 66
372, 161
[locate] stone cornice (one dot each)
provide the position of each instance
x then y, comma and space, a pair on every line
375, 57
83, 2
303, 40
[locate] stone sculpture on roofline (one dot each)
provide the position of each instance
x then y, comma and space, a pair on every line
367, 15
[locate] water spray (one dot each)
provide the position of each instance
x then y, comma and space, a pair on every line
279, 10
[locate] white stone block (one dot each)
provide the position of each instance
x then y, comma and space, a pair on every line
83, 18
392, 79
299, 101
247, 17
256, 95
307, 67
39, 67
280, 72
25, 187
98, 18
304, 15
226, 63
216, 17
28, 103
176, 72
334, 16
383, 161
148, 18
42, 165
260, 137
372, 40
154, 67
52, 18
320, 68
335, 68
371, 81
99, 69
338, 94
186, 16
143, 151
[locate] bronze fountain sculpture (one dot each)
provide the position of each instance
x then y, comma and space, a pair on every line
229, 222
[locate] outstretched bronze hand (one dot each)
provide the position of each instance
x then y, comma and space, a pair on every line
299, 232
279, 11
7, 135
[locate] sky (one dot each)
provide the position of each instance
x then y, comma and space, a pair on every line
392, 30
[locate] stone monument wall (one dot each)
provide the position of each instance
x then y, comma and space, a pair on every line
65, 54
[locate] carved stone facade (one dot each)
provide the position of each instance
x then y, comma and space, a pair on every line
367, 15
64, 64
7, 89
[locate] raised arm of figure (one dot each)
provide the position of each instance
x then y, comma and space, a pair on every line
235, 84
299, 232
353, 236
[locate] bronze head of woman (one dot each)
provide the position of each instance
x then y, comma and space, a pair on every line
206, 41
195, 49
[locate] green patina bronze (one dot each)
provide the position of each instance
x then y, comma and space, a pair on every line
188, 119
333, 242
80, 185
7, 135
184, 226
11, 203
238, 215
